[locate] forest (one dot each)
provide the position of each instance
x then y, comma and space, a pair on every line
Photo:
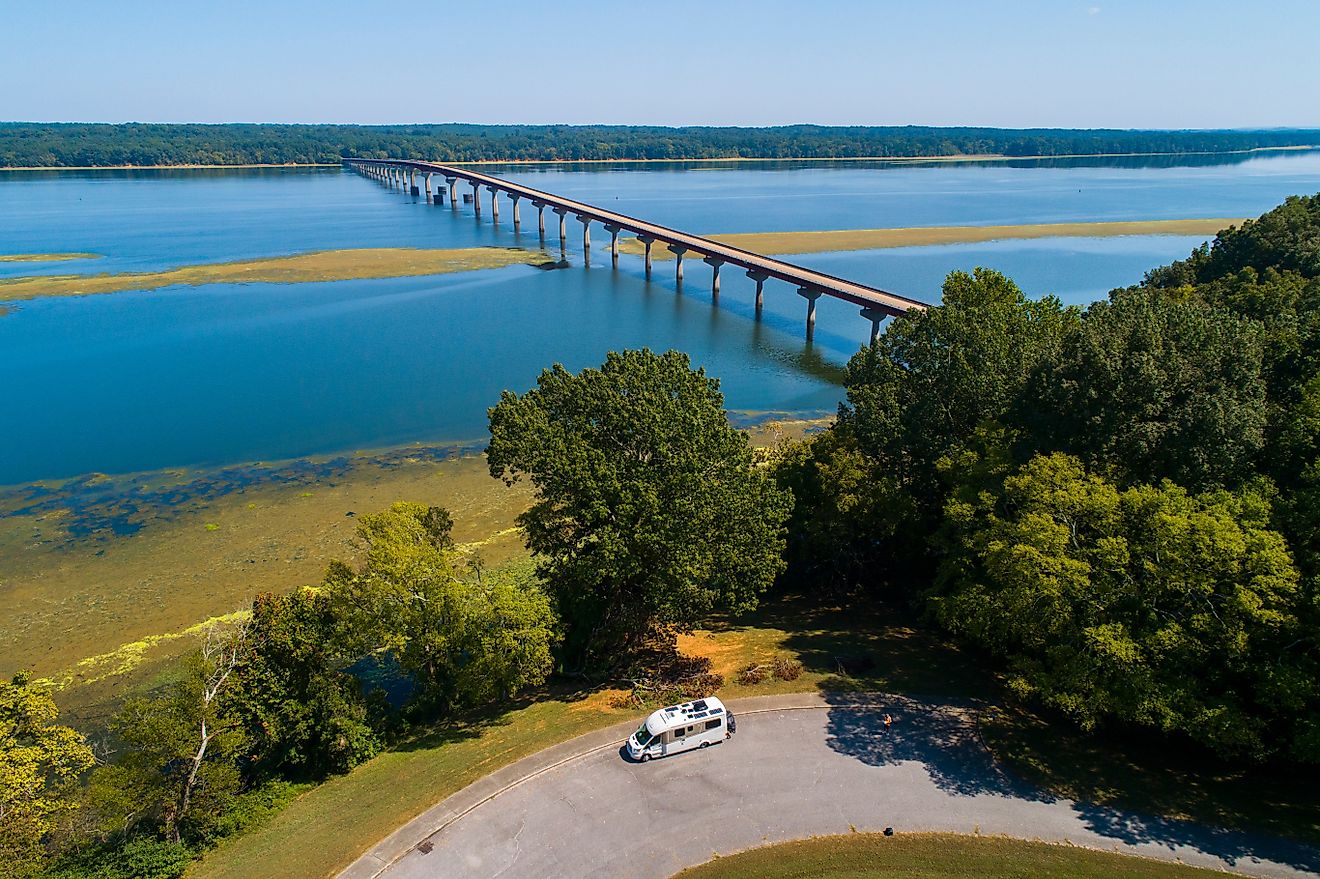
1117, 508
73, 144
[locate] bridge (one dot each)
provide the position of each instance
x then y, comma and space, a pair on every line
402, 174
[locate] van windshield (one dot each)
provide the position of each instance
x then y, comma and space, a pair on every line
643, 736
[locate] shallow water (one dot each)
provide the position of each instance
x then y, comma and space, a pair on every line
234, 373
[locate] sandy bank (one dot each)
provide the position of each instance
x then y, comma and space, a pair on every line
325, 265
876, 239
46, 257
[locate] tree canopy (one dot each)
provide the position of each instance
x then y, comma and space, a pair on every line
78, 144
467, 636
40, 763
1152, 386
935, 375
1148, 605
649, 511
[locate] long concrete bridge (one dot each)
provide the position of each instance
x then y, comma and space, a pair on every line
403, 174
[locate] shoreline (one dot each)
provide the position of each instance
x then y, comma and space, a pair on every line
108, 576
969, 157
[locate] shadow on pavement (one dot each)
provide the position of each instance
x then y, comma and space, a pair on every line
1230, 845
941, 737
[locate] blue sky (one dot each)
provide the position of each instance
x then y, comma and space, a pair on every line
1175, 64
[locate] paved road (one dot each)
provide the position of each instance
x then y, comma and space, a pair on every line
797, 767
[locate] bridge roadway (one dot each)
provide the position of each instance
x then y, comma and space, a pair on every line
875, 304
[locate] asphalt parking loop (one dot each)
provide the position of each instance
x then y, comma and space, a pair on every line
790, 774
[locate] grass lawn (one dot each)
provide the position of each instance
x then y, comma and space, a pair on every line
875, 649
348, 814
326, 828
933, 856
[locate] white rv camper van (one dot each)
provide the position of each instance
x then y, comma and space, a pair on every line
681, 728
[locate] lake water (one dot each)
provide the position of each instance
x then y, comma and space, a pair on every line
191, 377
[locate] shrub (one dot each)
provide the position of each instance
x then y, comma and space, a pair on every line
141, 858
256, 807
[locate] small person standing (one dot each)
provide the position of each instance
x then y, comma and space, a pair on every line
889, 721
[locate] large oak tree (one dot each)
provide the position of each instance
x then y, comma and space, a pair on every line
649, 510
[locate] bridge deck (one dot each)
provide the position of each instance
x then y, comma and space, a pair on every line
839, 288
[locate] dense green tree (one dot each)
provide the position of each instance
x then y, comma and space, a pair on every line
1156, 386
304, 715
1288, 306
40, 764
1283, 240
467, 636
649, 511
1145, 605
846, 510
183, 746
935, 375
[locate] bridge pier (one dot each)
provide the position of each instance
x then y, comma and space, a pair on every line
540, 218
517, 219
760, 279
614, 243
714, 263
586, 238
426, 180
811, 296
494, 205
563, 227
678, 250
452, 183
874, 317
412, 184
476, 199
647, 240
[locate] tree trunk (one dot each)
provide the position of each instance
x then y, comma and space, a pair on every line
185, 795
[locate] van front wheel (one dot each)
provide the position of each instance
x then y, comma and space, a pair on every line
645, 757
705, 744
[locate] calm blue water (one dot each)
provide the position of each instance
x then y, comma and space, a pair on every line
231, 373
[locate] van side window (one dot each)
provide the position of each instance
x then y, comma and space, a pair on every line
712, 724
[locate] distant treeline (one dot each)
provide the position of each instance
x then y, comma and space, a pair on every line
25, 144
